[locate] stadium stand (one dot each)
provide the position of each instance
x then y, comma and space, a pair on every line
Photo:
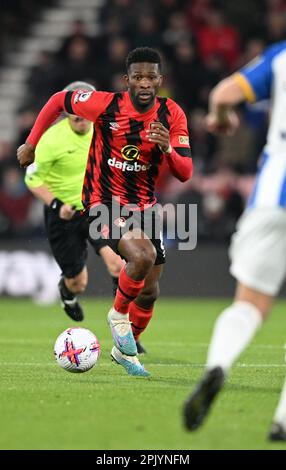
65, 40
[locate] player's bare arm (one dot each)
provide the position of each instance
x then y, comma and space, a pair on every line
65, 211
43, 193
221, 117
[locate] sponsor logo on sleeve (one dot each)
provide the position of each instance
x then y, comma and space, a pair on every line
184, 140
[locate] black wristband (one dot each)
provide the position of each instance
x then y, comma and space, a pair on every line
56, 205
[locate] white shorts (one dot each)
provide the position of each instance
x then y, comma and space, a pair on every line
258, 249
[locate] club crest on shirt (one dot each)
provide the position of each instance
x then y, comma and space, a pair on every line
120, 222
84, 96
130, 153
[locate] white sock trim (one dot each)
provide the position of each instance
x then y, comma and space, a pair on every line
118, 315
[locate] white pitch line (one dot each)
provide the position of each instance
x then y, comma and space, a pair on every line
190, 344
206, 345
48, 364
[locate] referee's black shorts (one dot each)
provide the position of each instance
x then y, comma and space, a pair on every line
68, 241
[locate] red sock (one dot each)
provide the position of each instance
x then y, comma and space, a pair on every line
127, 291
140, 318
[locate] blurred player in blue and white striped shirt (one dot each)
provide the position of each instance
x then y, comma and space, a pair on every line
258, 248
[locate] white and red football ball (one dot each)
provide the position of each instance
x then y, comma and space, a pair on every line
77, 349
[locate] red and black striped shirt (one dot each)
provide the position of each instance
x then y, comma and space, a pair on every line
123, 163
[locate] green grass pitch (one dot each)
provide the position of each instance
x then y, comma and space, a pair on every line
44, 407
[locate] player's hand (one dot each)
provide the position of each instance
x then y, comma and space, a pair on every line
159, 135
66, 212
224, 123
26, 154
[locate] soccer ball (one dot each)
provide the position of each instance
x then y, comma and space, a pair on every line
77, 349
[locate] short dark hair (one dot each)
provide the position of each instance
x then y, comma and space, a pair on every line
143, 54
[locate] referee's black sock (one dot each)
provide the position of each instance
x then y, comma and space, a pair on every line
69, 302
66, 294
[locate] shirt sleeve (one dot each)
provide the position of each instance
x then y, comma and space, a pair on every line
180, 159
88, 105
45, 157
256, 78
179, 134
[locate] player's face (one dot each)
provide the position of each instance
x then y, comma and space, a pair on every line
143, 82
78, 124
